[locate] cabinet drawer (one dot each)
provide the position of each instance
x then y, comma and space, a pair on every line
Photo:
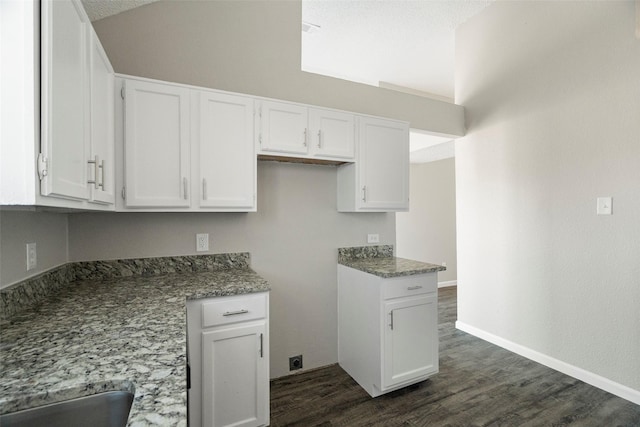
234, 309
410, 285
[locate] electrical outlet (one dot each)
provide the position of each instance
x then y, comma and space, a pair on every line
32, 256
295, 362
444, 263
202, 242
373, 238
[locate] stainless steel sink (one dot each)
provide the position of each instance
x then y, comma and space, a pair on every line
109, 409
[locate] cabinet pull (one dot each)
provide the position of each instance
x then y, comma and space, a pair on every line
185, 183
413, 288
364, 193
261, 346
391, 324
101, 167
204, 189
305, 137
319, 138
96, 172
233, 313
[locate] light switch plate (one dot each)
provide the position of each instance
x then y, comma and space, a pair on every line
604, 206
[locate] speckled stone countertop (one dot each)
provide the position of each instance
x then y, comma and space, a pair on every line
379, 261
124, 333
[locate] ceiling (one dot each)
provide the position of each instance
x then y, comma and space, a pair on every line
402, 43
405, 45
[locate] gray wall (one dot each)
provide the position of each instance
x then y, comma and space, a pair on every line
17, 228
552, 96
293, 241
428, 231
251, 47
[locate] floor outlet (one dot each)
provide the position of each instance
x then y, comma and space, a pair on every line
32, 256
202, 242
295, 363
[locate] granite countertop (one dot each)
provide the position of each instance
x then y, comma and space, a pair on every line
379, 261
126, 333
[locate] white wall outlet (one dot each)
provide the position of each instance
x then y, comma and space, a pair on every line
202, 242
32, 256
604, 206
444, 263
373, 238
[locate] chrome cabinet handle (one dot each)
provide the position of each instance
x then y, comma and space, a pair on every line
413, 288
233, 313
305, 137
319, 138
184, 188
98, 170
204, 189
391, 324
364, 193
261, 346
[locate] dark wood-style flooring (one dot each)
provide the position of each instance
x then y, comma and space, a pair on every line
479, 384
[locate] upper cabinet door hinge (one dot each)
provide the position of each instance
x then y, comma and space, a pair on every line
42, 166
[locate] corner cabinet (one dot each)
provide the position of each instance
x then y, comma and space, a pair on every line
228, 352
185, 149
378, 181
76, 161
387, 329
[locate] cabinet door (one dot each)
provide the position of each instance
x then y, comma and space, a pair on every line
156, 145
283, 128
65, 130
102, 124
227, 159
383, 163
235, 377
332, 134
410, 339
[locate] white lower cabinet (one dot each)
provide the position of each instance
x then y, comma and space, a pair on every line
387, 329
228, 352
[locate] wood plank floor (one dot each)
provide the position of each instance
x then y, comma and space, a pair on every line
479, 384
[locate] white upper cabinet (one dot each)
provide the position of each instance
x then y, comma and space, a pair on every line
185, 149
379, 179
65, 100
156, 145
303, 132
332, 134
76, 159
283, 128
102, 170
225, 152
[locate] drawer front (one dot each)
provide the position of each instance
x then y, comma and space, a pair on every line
234, 309
410, 285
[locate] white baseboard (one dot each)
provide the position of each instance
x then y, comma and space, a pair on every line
588, 377
447, 283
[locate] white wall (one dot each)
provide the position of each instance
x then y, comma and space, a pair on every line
428, 231
17, 228
293, 241
251, 47
552, 97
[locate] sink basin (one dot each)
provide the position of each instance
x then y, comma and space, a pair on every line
109, 409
